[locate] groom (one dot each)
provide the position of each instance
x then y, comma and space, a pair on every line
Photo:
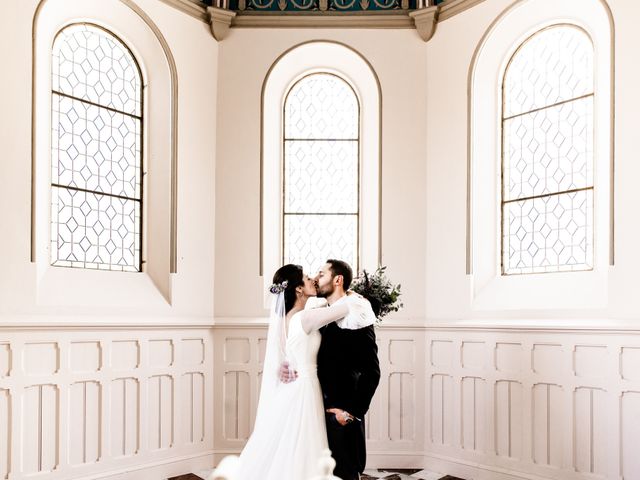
348, 370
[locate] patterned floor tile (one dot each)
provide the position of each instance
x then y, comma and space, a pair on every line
381, 474
405, 474
404, 471
428, 475
371, 473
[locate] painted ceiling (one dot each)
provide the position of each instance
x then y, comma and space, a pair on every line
321, 6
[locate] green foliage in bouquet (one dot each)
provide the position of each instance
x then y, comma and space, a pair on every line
378, 289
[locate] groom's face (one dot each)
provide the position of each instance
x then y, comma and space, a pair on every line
324, 281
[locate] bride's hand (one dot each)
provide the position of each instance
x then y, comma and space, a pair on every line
287, 374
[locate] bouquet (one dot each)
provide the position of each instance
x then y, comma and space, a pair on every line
378, 289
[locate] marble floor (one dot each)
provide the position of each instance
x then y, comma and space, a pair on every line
386, 474
397, 474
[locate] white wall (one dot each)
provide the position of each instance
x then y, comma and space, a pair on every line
62, 365
449, 291
530, 392
484, 393
197, 73
512, 391
397, 58
245, 58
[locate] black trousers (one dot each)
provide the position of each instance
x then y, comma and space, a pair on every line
348, 448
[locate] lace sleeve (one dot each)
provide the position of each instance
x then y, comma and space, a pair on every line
360, 314
317, 318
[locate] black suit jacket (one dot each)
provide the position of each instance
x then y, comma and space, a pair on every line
348, 368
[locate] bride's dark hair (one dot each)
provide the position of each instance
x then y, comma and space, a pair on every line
292, 274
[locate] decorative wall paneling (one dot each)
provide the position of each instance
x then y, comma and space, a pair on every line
394, 424
489, 403
107, 402
534, 403
395, 432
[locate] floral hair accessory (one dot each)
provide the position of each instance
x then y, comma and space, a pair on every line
277, 288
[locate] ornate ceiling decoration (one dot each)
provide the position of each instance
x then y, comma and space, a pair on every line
336, 6
223, 15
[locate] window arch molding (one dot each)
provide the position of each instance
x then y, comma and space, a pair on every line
490, 289
291, 66
130, 25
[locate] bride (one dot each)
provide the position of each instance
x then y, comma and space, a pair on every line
290, 433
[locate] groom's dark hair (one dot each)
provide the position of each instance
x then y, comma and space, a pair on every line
339, 267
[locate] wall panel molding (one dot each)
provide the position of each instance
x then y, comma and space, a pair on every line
23, 323
508, 419
5, 359
5, 433
41, 426
472, 408
85, 418
558, 404
476, 402
396, 416
602, 326
161, 412
629, 434
194, 405
105, 403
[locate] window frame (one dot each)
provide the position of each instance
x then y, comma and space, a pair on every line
141, 169
547, 295
301, 59
503, 166
284, 214
82, 290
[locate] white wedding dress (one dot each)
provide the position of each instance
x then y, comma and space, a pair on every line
289, 435
288, 442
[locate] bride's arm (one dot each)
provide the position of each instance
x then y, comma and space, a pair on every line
317, 318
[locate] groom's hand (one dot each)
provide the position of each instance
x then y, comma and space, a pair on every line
342, 416
287, 374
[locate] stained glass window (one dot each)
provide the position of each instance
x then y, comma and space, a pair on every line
96, 152
321, 172
547, 154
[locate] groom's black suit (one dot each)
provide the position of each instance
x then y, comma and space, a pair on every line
349, 372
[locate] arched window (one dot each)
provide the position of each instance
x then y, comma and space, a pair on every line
96, 152
547, 154
338, 158
321, 188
